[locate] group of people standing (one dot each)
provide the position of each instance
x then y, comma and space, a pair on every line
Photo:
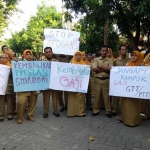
74, 102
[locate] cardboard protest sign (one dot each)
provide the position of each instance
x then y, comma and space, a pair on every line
130, 82
69, 77
31, 75
4, 75
62, 41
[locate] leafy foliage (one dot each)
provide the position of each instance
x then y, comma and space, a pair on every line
32, 37
131, 16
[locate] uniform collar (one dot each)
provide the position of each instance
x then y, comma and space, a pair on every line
123, 59
102, 58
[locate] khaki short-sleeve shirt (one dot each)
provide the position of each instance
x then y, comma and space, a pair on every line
104, 63
120, 62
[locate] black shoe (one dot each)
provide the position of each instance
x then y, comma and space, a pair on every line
95, 114
109, 115
91, 109
57, 115
61, 109
45, 115
10, 119
1, 120
114, 114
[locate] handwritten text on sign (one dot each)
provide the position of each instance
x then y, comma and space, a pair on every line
130, 82
4, 74
62, 41
31, 75
69, 77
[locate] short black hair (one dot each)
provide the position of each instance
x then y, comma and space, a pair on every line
104, 46
48, 48
3, 47
121, 46
54, 56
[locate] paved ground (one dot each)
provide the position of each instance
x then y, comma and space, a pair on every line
72, 133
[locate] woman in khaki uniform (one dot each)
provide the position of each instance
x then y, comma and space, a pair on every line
131, 107
9, 92
25, 98
76, 102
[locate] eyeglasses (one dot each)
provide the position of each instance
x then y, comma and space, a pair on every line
3, 57
123, 49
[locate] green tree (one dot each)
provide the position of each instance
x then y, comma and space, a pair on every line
31, 37
7, 8
131, 16
93, 24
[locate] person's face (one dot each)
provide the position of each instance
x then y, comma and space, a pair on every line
78, 56
133, 57
84, 56
48, 53
123, 50
89, 57
5, 49
3, 59
104, 51
29, 56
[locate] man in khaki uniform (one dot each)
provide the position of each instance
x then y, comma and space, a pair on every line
46, 93
63, 106
101, 67
122, 60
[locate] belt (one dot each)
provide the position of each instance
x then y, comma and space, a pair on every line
102, 78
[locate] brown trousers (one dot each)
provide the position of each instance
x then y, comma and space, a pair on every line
61, 103
101, 90
25, 98
9, 105
115, 104
46, 100
88, 96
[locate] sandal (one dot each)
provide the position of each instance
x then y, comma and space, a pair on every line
120, 121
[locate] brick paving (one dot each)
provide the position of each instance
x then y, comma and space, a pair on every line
64, 133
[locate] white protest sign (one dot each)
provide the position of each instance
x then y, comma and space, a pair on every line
4, 75
62, 41
130, 82
69, 77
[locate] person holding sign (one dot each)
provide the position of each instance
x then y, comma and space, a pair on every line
46, 93
101, 67
11, 56
122, 60
76, 102
25, 98
131, 107
4, 60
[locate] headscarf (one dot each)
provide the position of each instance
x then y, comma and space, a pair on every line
25, 51
139, 59
10, 55
111, 54
74, 61
142, 59
86, 61
147, 60
7, 62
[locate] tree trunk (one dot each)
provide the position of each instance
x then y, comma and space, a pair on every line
106, 33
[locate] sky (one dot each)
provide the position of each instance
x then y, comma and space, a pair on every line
29, 8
